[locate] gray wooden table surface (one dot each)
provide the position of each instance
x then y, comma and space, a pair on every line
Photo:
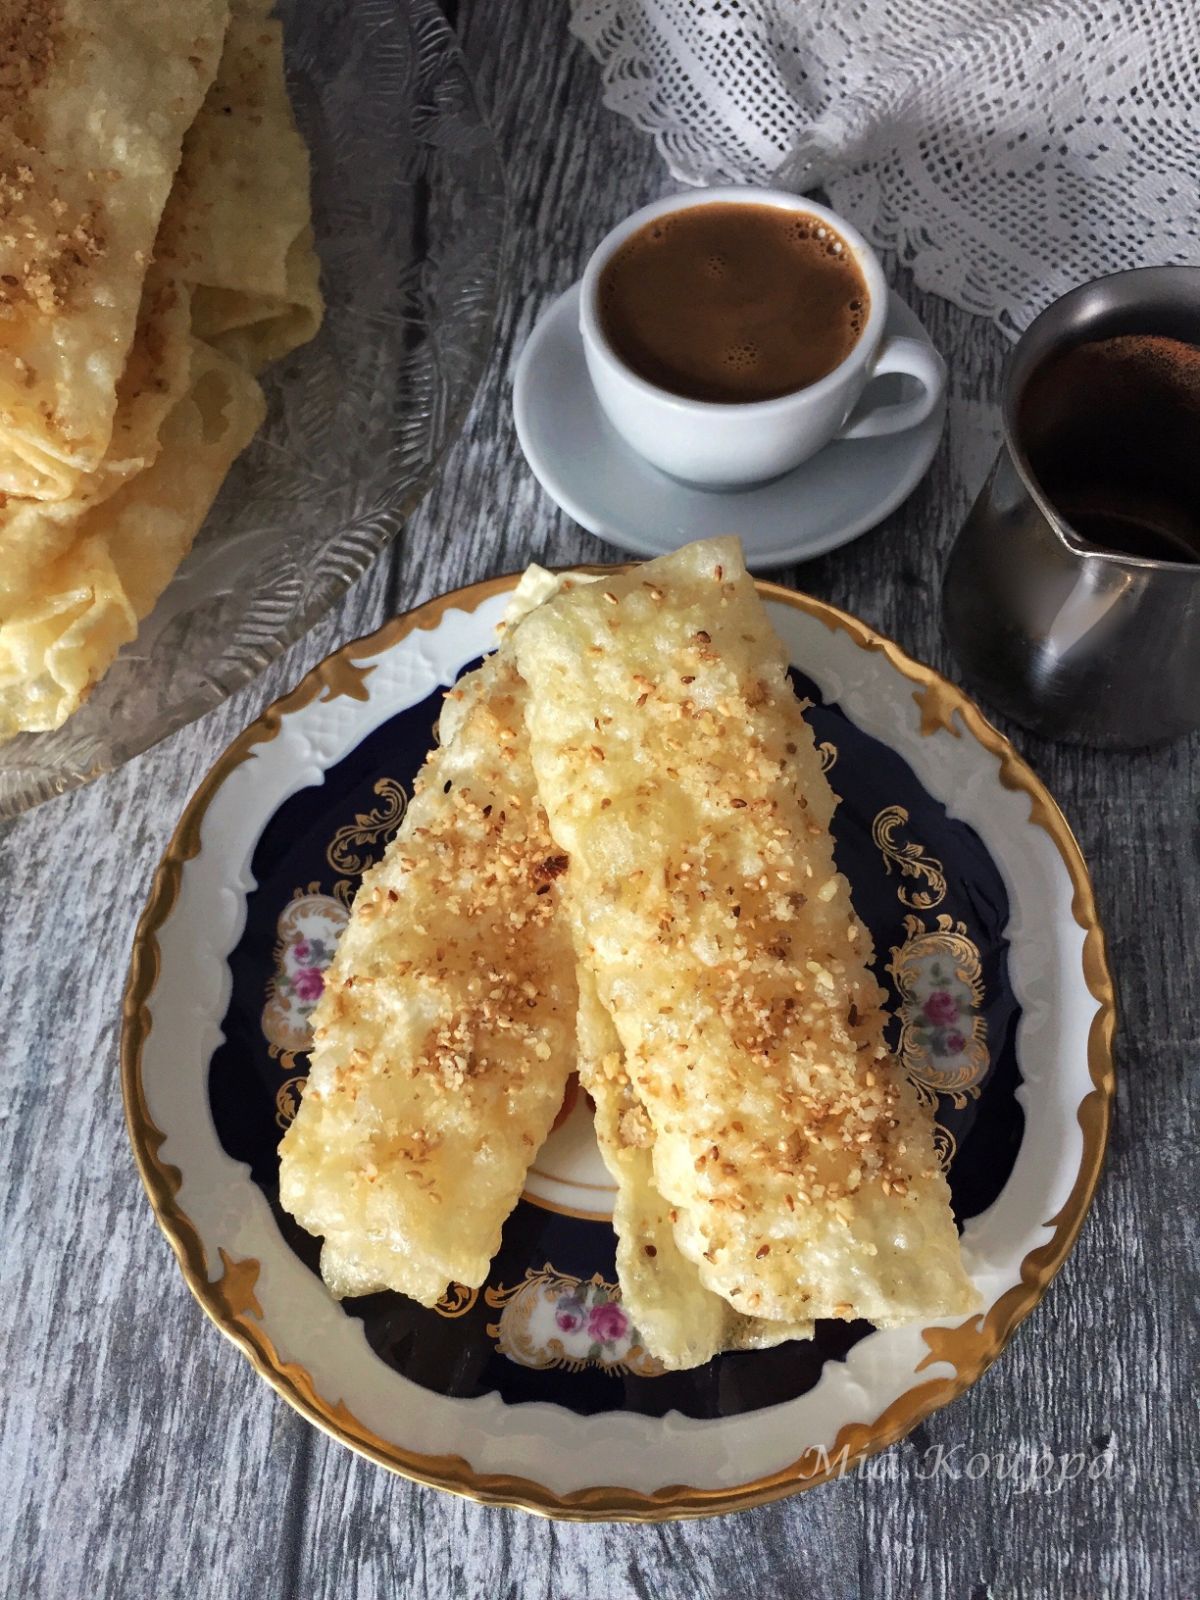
139, 1455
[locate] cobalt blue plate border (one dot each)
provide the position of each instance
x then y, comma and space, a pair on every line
455, 1355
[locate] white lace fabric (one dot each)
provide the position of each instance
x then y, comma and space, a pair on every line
1007, 149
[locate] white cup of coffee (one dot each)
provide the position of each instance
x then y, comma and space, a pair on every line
728, 349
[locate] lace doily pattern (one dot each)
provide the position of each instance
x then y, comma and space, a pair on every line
1006, 152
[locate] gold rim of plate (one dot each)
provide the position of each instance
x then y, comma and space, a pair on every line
970, 1348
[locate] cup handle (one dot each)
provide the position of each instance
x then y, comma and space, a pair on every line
915, 359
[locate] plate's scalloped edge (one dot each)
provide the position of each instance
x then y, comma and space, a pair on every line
969, 1348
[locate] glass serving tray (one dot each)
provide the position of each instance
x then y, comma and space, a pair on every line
408, 208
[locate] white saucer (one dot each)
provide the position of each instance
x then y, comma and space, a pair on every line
583, 464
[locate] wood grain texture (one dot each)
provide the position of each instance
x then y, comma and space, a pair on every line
140, 1456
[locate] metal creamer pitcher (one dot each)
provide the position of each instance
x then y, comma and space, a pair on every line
1076, 641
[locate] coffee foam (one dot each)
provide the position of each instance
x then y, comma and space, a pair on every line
733, 302
1152, 357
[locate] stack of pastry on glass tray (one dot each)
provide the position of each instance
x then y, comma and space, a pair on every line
155, 253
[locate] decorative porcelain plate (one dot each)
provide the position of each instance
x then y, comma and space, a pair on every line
534, 1389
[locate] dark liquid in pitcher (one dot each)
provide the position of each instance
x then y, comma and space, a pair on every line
1111, 429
